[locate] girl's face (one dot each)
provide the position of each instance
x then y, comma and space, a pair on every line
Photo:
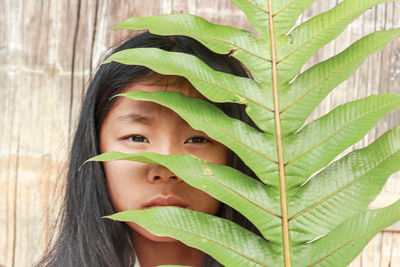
140, 126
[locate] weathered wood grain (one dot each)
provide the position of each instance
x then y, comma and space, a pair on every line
382, 250
48, 49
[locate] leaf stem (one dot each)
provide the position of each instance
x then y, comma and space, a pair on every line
282, 178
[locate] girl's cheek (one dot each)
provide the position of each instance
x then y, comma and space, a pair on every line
135, 144
125, 172
217, 154
125, 181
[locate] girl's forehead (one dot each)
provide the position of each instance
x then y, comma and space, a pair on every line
154, 83
158, 82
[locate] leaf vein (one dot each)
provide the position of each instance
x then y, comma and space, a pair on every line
235, 47
347, 243
284, 8
342, 189
335, 133
233, 92
234, 138
315, 86
212, 241
332, 25
259, 8
237, 193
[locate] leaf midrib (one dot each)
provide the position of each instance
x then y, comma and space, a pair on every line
279, 143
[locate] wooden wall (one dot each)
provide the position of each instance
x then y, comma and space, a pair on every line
48, 48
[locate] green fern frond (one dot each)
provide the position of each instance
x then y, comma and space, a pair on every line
320, 221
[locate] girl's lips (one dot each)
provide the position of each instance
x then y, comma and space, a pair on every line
165, 201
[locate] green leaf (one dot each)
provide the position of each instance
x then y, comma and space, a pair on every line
219, 38
344, 188
310, 36
216, 86
246, 195
344, 243
322, 140
256, 12
310, 211
257, 150
299, 98
229, 243
286, 13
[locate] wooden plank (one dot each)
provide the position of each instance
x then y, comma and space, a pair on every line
34, 127
371, 255
183, 6
207, 9
395, 256
386, 249
356, 262
382, 250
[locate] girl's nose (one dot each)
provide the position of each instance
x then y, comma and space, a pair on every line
161, 174
168, 147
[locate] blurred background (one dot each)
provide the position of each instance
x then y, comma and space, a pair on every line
48, 50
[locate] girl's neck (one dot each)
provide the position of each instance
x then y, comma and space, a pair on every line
151, 253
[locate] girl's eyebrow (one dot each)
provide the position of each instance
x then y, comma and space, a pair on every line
134, 117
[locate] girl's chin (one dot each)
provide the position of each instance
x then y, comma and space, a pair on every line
139, 233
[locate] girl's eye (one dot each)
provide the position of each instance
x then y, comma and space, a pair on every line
197, 140
137, 139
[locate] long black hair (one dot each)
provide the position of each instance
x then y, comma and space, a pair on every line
84, 238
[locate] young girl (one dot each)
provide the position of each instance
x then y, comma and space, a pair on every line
120, 124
